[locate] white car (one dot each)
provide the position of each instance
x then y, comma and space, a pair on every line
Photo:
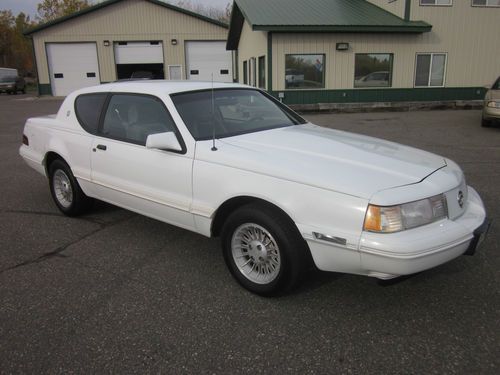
229, 160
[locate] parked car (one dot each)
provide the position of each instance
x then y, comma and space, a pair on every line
142, 74
231, 161
11, 82
293, 77
375, 79
491, 108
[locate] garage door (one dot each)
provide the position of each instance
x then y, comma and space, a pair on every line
72, 66
139, 60
138, 53
206, 58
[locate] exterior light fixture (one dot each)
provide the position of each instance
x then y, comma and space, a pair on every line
342, 46
106, 43
174, 42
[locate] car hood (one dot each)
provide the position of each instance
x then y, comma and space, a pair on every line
330, 159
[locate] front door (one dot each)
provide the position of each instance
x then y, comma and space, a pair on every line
153, 182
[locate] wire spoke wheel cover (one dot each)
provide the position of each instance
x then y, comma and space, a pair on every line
62, 188
256, 253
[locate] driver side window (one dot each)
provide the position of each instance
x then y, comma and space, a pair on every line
131, 118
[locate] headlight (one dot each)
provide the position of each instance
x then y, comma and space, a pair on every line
493, 104
389, 219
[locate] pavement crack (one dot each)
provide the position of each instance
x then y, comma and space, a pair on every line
27, 212
58, 252
101, 223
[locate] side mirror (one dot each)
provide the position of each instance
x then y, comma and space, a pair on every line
163, 141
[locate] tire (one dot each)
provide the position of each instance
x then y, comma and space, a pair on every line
67, 194
485, 123
277, 265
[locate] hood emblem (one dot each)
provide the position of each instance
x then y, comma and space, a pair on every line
460, 198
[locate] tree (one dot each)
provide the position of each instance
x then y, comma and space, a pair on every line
215, 13
49, 10
6, 22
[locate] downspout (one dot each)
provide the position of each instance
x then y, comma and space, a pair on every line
407, 10
269, 62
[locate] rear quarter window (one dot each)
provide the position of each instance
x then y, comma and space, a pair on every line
88, 108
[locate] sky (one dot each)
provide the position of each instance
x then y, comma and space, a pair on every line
29, 6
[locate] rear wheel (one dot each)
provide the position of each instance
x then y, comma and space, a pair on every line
67, 194
263, 249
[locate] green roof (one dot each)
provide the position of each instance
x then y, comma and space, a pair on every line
110, 2
317, 16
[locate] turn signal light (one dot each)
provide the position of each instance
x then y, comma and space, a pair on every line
373, 220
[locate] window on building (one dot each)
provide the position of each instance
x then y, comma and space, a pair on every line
304, 71
132, 118
245, 72
262, 72
486, 3
430, 69
373, 70
436, 2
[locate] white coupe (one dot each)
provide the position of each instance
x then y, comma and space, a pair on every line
283, 194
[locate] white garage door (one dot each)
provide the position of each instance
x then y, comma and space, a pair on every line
206, 58
72, 66
138, 53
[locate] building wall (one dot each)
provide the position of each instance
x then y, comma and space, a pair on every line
252, 44
468, 35
396, 7
131, 20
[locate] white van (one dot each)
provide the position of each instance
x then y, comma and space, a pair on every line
10, 82
7, 72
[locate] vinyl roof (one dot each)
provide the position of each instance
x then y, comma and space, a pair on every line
317, 16
109, 2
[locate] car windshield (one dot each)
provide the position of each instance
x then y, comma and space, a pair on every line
8, 79
230, 112
496, 85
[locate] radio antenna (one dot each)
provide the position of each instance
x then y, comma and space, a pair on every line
213, 116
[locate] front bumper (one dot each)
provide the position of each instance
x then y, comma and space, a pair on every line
491, 114
391, 255
7, 87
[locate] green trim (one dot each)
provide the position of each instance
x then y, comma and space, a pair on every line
427, 94
270, 61
416, 27
407, 10
110, 2
44, 89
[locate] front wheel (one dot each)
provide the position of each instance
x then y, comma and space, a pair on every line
263, 249
67, 194
485, 123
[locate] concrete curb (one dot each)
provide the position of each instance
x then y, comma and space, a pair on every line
387, 106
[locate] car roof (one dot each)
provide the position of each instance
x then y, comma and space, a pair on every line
145, 86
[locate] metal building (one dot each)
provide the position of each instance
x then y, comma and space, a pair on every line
122, 39
347, 51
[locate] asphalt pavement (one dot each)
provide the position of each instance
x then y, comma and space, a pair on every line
116, 292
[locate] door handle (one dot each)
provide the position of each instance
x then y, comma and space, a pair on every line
101, 147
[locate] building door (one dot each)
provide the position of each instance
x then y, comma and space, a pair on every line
72, 66
207, 58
